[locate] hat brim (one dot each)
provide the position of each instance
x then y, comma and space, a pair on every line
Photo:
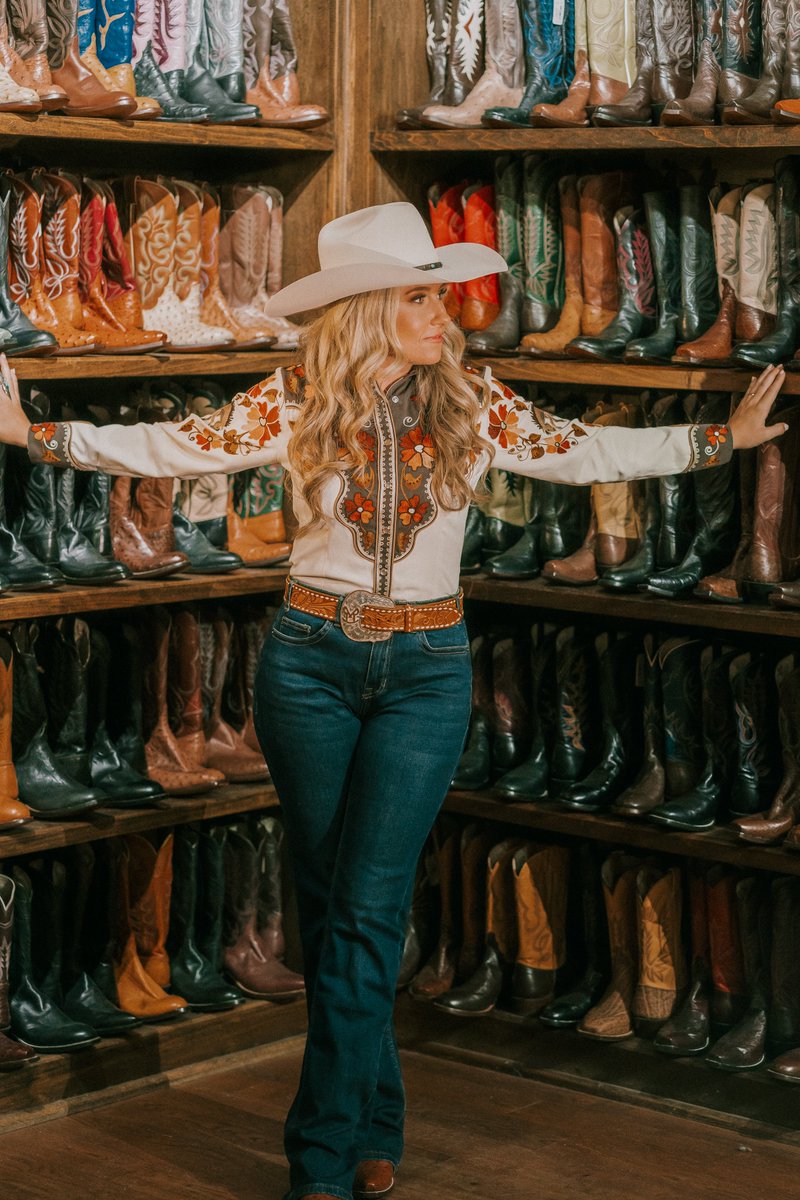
460, 263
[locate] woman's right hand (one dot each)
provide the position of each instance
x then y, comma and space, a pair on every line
14, 425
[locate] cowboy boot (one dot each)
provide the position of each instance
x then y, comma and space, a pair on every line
18, 334
784, 812
680, 661
149, 79
504, 332
698, 107
36, 1019
726, 585
618, 662
784, 1009
675, 494
245, 251
446, 211
601, 196
648, 788
288, 333
579, 568
187, 266
664, 64
474, 767
757, 293
503, 73
757, 774
529, 781
480, 993
756, 107
774, 549
130, 544
504, 511
215, 309
18, 564
27, 28
610, 1019
636, 569
114, 31
464, 57
549, 56
166, 762
224, 46
686, 1032
741, 52
439, 972
569, 1007
521, 559
663, 236
716, 344
185, 690
6, 926
268, 836
12, 811
662, 967
787, 109
110, 310
512, 719
541, 875
83, 1000
258, 500
63, 654
189, 78
437, 48
123, 785
476, 842
256, 972
699, 288
77, 559
190, 971
481, 296
699, 807
780, 344
60, 224
542, 249
637, 287
226, 750
729, 990
716, 518
87, 96
743, 1047
577, 736
617, 506
211, 898
26, 268
571, 111
612, 52
141, 881
554, 342
17, 92
270, 67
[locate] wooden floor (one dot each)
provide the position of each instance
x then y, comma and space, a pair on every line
471, 1133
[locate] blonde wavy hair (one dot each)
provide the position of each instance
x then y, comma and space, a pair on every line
342, 353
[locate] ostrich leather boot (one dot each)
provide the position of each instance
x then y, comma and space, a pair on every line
87, 96
662, 966
27, 34
130, 543
270, 67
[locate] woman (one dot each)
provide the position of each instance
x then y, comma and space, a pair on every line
363, 692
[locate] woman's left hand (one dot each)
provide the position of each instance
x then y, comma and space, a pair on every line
748, 425
14, 425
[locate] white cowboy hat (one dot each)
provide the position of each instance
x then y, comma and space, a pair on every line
354, 259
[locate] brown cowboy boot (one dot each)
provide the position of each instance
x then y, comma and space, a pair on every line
610, 1019
541, 875
439, 973
226, 750
662, 967
12, 810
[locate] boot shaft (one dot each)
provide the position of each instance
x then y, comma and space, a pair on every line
699, 287
775, 549
501, 919
663, 228
682, 698
541, 882
184, 679
618, 875
7, 889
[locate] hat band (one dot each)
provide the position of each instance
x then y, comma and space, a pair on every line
429, 266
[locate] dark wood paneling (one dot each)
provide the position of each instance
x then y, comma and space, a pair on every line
258, 363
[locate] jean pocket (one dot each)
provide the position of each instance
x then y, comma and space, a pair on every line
452, 640
299, 629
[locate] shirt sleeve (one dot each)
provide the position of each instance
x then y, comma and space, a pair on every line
252, 431
528, 441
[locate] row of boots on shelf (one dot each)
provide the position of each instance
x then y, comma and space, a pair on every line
100, 938
520, 924
675, 729
192, 61
122, 715
602, 269
59, 525
509, 63
728, 537
133, 266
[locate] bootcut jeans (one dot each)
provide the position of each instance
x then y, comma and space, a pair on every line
362, 740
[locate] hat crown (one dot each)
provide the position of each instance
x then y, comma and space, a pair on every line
384, 232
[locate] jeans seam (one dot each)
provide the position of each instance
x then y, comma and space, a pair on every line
311, 1189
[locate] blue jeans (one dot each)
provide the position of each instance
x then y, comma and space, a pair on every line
362, 740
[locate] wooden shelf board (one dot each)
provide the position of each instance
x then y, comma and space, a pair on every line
163, 133
716, 845
470, 141
114, 1068
633, 606
134, 593
224, 801
601, 374
135, 366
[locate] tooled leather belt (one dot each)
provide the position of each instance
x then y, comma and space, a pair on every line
366, 617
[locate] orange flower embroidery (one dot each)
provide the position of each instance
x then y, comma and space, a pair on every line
44, 432
558, 444
359, 509
717, 435
417, 449
412, 510
263, 420
503, 426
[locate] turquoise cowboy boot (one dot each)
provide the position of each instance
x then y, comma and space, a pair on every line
549, 61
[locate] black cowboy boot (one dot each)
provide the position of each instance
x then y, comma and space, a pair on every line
211, 897
150, 81
699, 287
77, 558
529, 781
757, 769
511, 682
197, 87
687, 1031
784, 1009
20, 566
472, 550
682, 700
743, 1047
572, 1006
522, 559
647, 789
474, 768
663, 231
204, 557
576, 744
756, 108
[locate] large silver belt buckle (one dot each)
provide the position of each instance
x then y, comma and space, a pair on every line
351, 617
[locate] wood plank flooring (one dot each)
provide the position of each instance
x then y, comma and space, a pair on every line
472, 1133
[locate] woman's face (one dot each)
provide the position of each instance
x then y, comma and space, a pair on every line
421, 320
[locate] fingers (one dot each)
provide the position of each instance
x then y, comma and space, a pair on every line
8, 379
775, 431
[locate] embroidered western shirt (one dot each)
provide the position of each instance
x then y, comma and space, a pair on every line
382, 529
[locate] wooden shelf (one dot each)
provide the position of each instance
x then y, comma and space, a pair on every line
715, 845
633, 606
14, 126
601, 374
134, 593
137, 366
224, 801
151, 1056
469, 141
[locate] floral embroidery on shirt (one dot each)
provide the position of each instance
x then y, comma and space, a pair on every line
48, 442
417, 449
711, 446
250, 421
504, 428
360, 510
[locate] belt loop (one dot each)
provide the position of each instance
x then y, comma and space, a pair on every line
287, 591
460, 601
407, 625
